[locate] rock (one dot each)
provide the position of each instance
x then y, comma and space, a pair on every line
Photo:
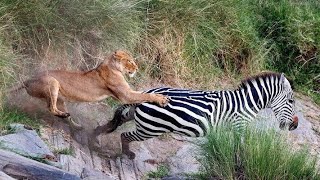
126, 168
142, 160
92, 174
16, 127
72, 164
5, 176
100, 163
184, 161
21, 167
176, 177
27, 143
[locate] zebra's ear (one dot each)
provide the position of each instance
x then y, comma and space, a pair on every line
284, 81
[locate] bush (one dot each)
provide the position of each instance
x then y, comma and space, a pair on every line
256, 154
196, 41
185, 43
7, 74
35, 24
293, 32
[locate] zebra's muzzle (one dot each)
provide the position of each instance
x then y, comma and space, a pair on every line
294, 123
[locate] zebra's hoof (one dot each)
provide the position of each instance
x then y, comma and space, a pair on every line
130, 154
94, 144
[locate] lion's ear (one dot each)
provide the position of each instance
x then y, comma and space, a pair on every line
115, 55
119, 55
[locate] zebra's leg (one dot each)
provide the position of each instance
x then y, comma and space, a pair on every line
125, 146
122, 114
128, 137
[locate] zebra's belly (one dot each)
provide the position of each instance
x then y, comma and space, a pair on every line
177, 119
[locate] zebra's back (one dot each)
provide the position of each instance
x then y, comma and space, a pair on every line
189, 112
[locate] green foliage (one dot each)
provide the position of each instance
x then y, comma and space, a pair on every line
9, 116
112, 103
203, 38
254, 154
7, 59
219, 154
292, 30
185, 42
66, 151
33, 24
162, 171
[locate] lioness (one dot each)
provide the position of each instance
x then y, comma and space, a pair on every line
97, 84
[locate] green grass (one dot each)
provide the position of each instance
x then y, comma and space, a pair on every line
293, 34
66, 151
9, 116
186, 43
36, 23
162, 171
256, 154
112, 103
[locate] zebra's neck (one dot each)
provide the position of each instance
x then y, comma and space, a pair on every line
255, 96
244, 103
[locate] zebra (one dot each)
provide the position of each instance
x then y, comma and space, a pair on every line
194, 112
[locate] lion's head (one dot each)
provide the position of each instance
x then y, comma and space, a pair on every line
126, 62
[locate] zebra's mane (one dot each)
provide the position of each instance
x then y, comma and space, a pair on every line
256, 77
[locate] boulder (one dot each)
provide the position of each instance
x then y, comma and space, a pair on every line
26, 143
92, 174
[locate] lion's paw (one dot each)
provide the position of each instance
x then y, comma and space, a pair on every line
162, 100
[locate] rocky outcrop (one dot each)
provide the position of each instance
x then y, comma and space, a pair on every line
175, 152
20, 167
26, 143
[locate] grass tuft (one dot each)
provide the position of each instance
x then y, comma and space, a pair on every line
256, 154
65, 151
9, 116
181, 43
162, 171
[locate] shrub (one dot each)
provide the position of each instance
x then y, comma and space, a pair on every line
7, 64
200, 39
185, 43
254, 154
292, 31
37, 23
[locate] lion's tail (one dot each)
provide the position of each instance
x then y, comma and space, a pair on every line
16, 87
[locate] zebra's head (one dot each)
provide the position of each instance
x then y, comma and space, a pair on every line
283, 104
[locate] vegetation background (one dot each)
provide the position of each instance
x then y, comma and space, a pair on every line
199, 44
185, 43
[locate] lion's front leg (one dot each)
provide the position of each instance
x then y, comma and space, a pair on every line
159, 98
135, 97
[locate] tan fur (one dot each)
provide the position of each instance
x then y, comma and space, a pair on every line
106, 80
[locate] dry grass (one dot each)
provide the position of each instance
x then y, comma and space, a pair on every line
186, 43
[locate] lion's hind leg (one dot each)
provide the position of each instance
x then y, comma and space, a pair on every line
46, 87
52, 92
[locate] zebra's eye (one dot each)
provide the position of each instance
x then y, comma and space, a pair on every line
291, 101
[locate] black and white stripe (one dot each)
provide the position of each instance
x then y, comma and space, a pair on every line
193, 113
